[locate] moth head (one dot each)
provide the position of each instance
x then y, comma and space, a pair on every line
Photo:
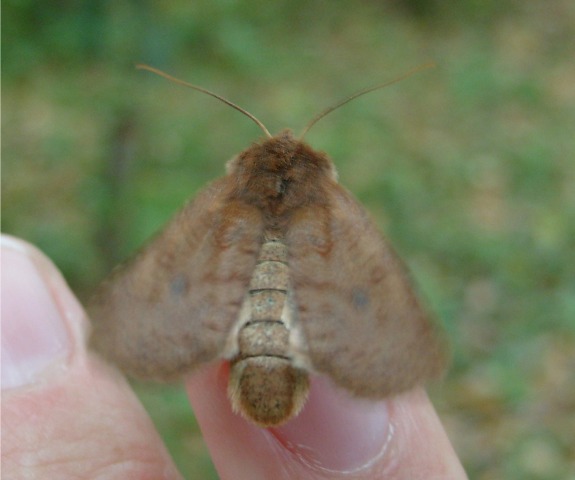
281, 169
282, 152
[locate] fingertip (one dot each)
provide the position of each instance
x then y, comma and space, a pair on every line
41, 318
336, 432
333, 434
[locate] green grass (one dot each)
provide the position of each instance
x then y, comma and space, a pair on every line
468, 168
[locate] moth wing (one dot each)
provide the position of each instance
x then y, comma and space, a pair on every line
363, 325
173, 306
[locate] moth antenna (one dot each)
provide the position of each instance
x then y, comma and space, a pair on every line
328, 110
207, 92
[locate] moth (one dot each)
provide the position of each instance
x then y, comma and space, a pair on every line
277, 269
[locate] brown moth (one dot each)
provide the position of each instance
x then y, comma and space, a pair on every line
277, 269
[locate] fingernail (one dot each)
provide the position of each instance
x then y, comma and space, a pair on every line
335, 432
34, 335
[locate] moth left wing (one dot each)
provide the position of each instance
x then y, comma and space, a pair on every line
361, 321
173, 306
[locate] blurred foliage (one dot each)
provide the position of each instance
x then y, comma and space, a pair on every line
468, 169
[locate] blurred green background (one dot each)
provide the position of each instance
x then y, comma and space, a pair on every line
468, 168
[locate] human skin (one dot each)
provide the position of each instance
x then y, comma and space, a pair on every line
68, 414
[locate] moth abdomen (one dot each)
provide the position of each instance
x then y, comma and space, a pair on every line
264, 384
267, 390
264, 338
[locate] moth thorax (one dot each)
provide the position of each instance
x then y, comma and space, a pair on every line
264, 384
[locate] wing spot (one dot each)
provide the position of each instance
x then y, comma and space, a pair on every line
360, 298
179, 285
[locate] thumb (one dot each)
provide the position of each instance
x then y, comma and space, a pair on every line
64, 413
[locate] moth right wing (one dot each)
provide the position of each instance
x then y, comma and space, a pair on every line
173, 306
361, 321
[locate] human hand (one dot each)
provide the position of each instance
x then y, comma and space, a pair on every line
67, 414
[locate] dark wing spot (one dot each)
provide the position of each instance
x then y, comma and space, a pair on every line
360, 298
179, 285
